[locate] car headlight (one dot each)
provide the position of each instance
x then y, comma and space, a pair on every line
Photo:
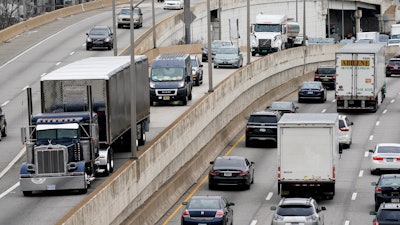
88, 39
181, 84
152, 84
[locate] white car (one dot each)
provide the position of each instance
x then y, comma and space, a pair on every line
173, 4
393, 42
345, 131
385, 157
124, 17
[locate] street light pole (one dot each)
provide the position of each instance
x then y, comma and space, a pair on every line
248, 31
304, 23
133, 86
114, 29
209, 53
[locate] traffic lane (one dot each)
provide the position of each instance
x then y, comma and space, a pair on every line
339, 210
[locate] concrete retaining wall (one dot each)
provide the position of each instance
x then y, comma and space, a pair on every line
201, 127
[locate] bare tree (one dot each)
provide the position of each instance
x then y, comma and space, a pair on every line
9, 13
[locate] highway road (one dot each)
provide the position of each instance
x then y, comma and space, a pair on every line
51, 46
354, 197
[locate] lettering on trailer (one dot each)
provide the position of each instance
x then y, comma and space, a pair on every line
355, 63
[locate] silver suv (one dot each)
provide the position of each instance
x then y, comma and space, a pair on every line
298, 211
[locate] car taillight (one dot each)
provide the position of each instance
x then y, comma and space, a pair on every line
376, 223
344, 129
377, 158
243, 173
214, 173
378, 190
317, 76
219, 214
185, 213
334, 77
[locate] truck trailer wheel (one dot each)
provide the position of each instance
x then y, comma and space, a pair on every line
27, 193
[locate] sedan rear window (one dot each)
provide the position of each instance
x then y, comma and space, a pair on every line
228, 163
388, 149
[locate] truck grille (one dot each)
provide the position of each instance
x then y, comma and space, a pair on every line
50, 161
264, 43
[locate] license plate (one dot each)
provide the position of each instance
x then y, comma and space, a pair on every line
165, 97
395, 200
262, 130
227, 174
389, 160
51, 187
310, 92
201, 224
326, 79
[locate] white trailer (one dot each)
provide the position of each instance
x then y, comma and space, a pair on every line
370, 37
308, 152
395, 31
360, 77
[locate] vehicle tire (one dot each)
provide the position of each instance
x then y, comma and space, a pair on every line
190, 95
211, 186
151, 103
109, 47
27, 193
247, 186
299, 100
4, 132
109, 168
142, 139
322, 99
119, 25
252, 179
376, 206
184, 101
87, 47
253, 54
248, 143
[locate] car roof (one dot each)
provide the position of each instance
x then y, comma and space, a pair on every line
342, 117
265, 112
389, 144
206, 197
230, 157
296, 201
326, 66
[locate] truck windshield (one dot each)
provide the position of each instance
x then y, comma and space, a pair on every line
267, 28
57, 134
167, 74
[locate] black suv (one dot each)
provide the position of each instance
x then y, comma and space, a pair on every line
99, 36
327, 75
262, 126
387, 214
3, 124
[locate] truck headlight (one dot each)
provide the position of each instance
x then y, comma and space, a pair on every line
152, 84
181, 84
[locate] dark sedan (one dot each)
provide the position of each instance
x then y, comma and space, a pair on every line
387, 189
312, 90
207, 210
229, 170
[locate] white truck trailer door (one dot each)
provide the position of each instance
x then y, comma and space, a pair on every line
355, 74
306, 153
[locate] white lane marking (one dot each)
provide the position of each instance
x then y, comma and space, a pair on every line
371, 137
366, 153
360, 174
324, 110
71, 53
269, 196
384, 111
29, 49
58, 63
24, 88
392, 101
354, 196
8, 167
377, 123
9, 190
5, 103
254, 222
43, 74
347, 222
334, 100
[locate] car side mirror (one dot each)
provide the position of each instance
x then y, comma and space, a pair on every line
373, 183
184, 203
212, 162
201, 65
322, 208
351, 123
273, 207
230, 204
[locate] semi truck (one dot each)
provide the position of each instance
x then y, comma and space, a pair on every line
272, 33
308, 153
85, 117
360, 77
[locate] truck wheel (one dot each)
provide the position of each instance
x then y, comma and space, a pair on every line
4, 132
142, 136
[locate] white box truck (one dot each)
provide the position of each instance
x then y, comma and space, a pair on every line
360, 77
308, 153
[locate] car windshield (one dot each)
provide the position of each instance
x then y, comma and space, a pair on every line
262, 119
204, 204
388, 149
167, 74
389, 215
98, 31
126, 11
228, 163
394, 62
219, 44
310, 85
295, 210
326, 71
227, 51
267, 28
281, 105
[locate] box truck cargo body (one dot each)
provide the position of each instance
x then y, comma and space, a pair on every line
360, 77
308, 151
